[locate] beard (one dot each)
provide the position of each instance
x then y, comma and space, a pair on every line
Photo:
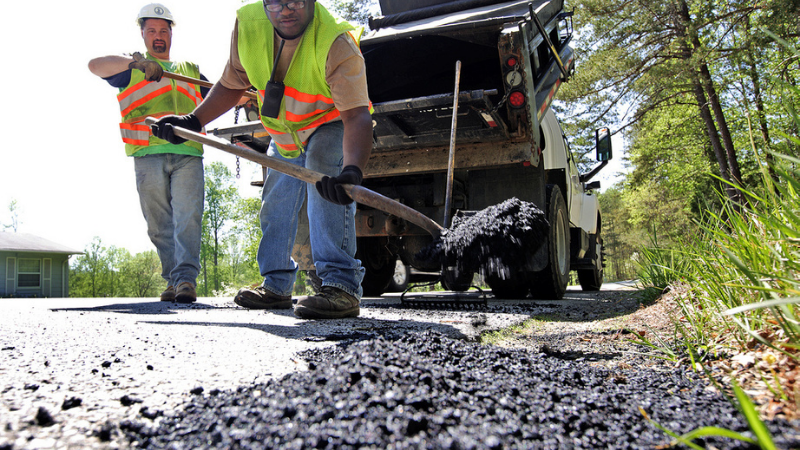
159, 46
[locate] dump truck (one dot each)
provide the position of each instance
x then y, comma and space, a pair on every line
461, 92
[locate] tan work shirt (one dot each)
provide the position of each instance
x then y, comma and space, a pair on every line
345, 71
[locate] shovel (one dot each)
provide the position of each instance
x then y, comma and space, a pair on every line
358, 193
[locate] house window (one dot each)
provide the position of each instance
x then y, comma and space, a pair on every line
29, 274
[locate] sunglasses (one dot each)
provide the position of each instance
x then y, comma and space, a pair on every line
278, 7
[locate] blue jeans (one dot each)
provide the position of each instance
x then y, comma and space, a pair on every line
171, 192
332, 227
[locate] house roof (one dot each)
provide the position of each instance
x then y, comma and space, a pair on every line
22, 242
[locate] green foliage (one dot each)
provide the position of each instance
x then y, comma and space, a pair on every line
220, 197
618, 235
13, 211
114, 272
355, 11
230, 237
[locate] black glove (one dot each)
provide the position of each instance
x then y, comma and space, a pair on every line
331, 188
165, 127
152, 69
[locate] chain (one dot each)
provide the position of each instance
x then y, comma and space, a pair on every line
235, 122
505, 97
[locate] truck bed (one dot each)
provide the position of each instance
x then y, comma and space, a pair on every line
411, 73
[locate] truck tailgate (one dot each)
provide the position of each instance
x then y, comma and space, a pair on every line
426, 121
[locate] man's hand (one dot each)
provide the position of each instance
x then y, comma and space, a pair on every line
331, 188
152, 69
165, 127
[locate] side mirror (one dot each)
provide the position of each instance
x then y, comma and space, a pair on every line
602, 138
594, 185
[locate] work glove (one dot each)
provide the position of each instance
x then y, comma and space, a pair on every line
165, 127
331, 188
152, 69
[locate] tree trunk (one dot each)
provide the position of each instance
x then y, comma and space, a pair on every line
758, 99
205, 274
216, 259
722, 123
699, 88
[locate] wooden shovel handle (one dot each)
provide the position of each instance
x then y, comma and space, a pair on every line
204, 83
358, 193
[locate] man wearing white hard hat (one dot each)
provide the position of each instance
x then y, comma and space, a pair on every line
169, 177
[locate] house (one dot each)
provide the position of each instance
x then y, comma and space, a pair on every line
31, 266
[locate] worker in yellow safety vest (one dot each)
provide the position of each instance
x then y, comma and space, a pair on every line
312, 86
169, 177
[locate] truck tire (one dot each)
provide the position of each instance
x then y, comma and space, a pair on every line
551, 283
592, 279
378, 267
515, 287
453, 280
399, 281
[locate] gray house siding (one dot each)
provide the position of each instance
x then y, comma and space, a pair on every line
33, 274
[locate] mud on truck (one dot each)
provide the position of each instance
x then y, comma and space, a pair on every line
507, 143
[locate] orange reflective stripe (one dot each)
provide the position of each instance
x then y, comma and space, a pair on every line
128, 92
135, 127
273, 132
145, 99
191, 93
288, 147
306, 98
322, 120
136, 141
135, 133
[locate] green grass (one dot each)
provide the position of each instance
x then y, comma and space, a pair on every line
510, 333
742, 271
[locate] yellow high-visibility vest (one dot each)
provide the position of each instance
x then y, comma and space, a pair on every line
142, 99
307, 103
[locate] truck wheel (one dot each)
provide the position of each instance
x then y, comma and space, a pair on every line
551, 283
592, 279
399, 281
453, 280
515, 287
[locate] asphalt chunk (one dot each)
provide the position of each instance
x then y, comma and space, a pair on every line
495, 240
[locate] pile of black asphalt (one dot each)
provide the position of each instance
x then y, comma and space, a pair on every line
426, 391
491, 240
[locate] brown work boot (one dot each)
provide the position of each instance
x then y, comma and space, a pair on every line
168, 295
329, 303
261, 298
186, 293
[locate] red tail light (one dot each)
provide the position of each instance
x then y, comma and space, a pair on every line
516, 99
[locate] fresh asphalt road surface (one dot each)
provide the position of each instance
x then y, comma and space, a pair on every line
107, 354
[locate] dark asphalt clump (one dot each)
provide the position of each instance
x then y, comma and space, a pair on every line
430, 392
494, 240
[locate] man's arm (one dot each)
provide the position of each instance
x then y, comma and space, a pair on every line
106, 66
357, 144
220, 99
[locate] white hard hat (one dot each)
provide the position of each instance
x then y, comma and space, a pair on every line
154, 11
